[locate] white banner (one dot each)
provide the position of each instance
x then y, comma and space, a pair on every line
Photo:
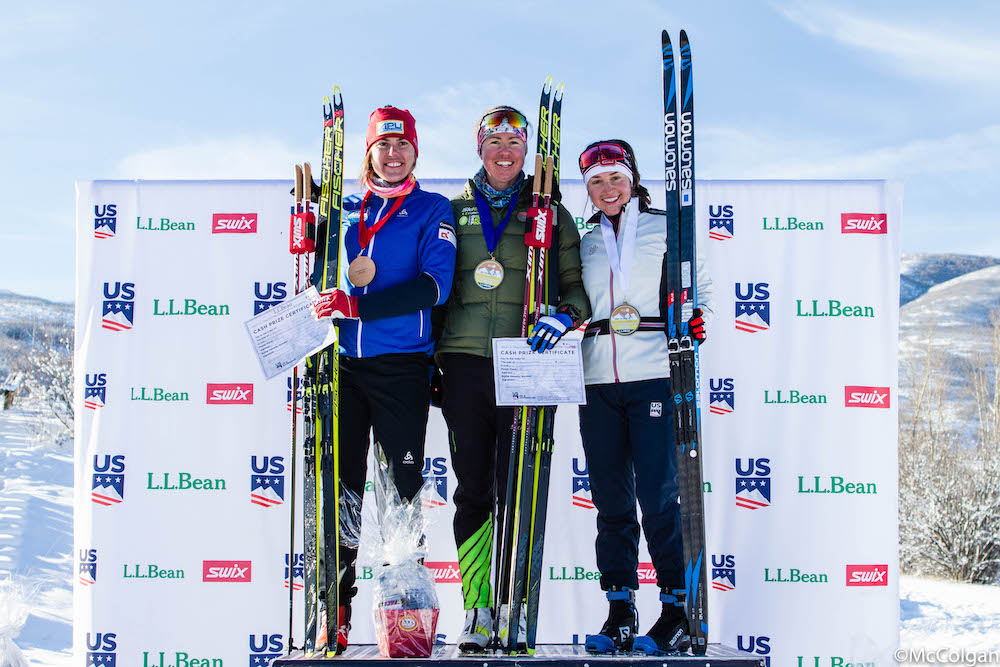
183, 448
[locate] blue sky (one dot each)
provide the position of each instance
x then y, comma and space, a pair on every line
902, 90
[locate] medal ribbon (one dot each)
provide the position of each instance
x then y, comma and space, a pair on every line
490, 233
621, 265
365, 233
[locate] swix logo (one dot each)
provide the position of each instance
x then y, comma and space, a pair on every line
646, 573
581, 485
101, 648
229, 394
753, 307
721, 396
540, 234
756, 645
435, 491
226, 570
723, 572
88, 566
864, 223
856, 396
119, 306
108, 487
95, 391
298, 568
270, 294
264, 649
445, 572
234, 223
720, 222
867, 575
267, 480
298, 395
105, 221
753, 483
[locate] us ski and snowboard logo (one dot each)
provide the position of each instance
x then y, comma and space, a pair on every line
753, 307
108, 487
105, 221
582, 496
267, 295
720, 222
95, 390
721, 396
753, 483
102, 648
267, 480
119, 306
756, 644
435, 474
297, 571
723, 572
264, 648
298, 395
88, 567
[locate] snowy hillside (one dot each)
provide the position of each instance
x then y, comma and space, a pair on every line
921, 271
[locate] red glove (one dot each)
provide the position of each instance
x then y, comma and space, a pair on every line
336, 304
696, 326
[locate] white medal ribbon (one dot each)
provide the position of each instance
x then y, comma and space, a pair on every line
621, 264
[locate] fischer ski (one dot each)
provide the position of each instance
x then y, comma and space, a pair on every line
682, 297
523, 532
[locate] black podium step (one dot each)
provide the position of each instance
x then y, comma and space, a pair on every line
547, 655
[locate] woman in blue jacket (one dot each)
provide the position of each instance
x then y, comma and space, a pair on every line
397, 263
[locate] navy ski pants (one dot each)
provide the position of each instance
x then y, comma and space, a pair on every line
628, 436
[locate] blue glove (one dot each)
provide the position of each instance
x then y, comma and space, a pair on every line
548, 331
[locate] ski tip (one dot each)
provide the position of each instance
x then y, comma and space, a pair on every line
560, 89
337, 96
547, 84
684, 37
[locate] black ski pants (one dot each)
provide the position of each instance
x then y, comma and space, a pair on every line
480, 437
388, 394
628, 436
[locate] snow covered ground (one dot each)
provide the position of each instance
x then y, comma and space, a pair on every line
36, 551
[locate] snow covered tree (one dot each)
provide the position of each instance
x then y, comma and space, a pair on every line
47, 367
949, 472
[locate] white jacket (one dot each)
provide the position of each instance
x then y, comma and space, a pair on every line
643, 355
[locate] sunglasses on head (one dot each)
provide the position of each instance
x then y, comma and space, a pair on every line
497, 118
603, 153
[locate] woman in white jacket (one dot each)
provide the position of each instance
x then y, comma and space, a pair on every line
627, 423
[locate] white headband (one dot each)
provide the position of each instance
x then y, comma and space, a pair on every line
599, 168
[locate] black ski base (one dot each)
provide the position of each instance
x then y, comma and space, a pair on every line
546, 655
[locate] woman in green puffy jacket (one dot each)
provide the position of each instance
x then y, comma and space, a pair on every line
487, 301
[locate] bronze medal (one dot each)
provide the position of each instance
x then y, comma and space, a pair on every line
624, 320
361, 271
489, 274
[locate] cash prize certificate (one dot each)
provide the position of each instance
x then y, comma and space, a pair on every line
285, 334
523, 377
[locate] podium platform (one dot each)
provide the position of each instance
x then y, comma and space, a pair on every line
547, 655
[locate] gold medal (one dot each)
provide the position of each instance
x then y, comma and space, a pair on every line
361, 271
624, 320
489, 274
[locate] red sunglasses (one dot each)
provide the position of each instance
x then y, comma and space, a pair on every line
603, 153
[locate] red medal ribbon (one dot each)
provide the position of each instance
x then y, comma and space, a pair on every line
365, 233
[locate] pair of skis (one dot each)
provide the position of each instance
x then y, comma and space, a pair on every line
522, 538
681, 284
321, 476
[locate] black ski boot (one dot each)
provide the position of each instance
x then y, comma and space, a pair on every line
619, 630
670, 632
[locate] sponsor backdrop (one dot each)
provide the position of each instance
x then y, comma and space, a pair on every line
183, 470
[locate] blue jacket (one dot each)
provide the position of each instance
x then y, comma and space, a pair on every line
418, 239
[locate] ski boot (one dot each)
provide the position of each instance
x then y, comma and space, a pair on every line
503, 628
478, 630
670, 632
343, 627
619, 630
